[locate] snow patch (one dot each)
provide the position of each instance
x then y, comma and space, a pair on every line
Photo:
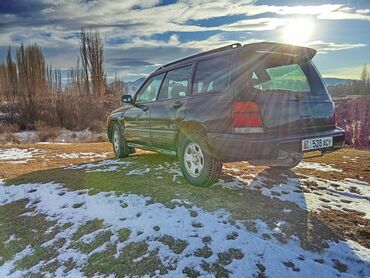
311, 193
318, 167
17, 155
138, 171
140, 216
101, 166
83, 155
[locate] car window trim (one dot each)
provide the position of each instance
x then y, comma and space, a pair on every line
187, 89
211, 92
146, 81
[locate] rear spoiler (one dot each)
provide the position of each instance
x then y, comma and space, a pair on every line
298, 52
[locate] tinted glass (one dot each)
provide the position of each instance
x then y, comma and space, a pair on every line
281, 78
150, 90
212, 75
175, 84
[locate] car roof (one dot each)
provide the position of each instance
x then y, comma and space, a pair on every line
260, 47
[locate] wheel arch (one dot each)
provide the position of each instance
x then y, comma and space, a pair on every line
187, 128
111, 123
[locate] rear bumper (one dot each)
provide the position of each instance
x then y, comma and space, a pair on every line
239, 147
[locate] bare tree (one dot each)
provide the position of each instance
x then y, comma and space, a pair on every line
92, 61
96, 60
38, 97
365, 78
4, 87
117, 87
84, 60
12, 74
32, 80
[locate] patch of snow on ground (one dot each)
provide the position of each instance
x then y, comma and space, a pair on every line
171, 168
231, 169
88, 155
138, 171
16, 155
52, 143
100, 166
318, 167
6, 270
328, 194
11, 238
311, 193
140, 216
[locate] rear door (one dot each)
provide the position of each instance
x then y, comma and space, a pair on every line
137, 118
169, 109
211, 100
291, 96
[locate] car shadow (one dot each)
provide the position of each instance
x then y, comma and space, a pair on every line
277, 198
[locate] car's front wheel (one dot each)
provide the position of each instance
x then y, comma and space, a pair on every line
198, 165
120, 147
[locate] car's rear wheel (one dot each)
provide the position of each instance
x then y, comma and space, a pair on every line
120, 147
198, 165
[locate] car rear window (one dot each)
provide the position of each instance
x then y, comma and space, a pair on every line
289, 78
212, 75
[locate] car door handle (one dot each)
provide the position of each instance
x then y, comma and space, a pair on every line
143, 107
177, 105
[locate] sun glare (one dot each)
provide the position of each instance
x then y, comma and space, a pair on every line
298, 31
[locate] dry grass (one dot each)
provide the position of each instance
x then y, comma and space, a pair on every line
48, 160
354, 163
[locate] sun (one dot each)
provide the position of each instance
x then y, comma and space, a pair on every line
298, 31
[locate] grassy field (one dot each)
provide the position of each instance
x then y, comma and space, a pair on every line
248, 195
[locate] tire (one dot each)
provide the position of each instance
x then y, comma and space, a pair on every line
197, 163
120, 147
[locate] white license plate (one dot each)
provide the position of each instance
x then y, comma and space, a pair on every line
317, 143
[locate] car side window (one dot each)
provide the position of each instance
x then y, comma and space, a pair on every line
212, 75
149, 92
175, 84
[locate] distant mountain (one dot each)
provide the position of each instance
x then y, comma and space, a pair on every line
133, 86
336, 81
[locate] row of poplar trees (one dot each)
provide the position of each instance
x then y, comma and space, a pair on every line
27, 76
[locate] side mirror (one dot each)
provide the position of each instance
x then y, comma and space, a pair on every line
127, 99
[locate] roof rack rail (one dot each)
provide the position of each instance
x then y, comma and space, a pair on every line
227, 47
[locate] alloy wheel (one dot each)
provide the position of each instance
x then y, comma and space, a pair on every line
194, 159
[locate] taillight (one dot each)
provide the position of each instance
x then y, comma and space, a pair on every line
246, 117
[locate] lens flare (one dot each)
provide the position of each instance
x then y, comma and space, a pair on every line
298, 31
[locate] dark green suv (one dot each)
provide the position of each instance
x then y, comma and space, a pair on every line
264, 102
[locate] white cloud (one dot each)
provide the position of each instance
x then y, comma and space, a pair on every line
325, 47
211, 42
363, 11
257, 24
54, 26
153, 19
292, 10
346, 13
123, 17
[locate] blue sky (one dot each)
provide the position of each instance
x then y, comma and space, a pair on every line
140, 35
